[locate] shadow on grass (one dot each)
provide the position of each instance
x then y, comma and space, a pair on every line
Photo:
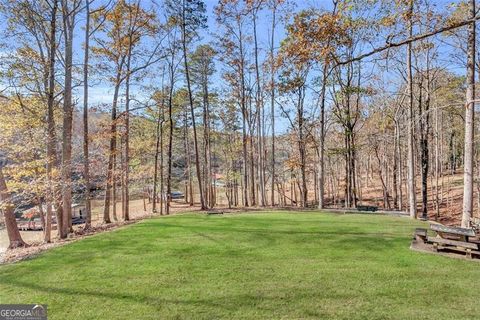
346, 231
231, 302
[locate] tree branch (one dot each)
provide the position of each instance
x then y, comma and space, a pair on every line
422, 36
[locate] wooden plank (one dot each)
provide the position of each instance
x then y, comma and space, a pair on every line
469, 254
421, 232
463, 244
367, 208
214, 212
458, 249
453, 230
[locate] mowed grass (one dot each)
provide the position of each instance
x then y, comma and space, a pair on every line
248, 266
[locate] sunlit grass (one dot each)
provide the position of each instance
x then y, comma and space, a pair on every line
262, 265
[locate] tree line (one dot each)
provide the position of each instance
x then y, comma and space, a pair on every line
258, 102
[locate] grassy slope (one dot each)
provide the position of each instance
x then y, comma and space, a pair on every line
283, 265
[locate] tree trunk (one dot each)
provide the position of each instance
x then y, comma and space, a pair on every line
170, 136
259, 107
121, 174
114, 182
159, 134
86, 163
386, 196
395, 166
190, 99
425, 121
252, 168
14, 236
207, 152
400, 167
437, 165
186, 145
68, 24
272, 103
126, 191
112, 150
301, 148
469, 123
411, 155
244, 120
321, 165
162, 191
52, 195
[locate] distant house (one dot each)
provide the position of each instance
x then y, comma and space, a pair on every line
217, 176
31, 217
78, 210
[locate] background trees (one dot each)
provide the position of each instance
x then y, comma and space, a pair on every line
244, 103
190, 16
469, 118
124, 28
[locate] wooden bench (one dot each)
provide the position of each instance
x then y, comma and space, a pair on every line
420, 234
453, 238
461, 246
467, 245
367, 208
454, 233
214, 212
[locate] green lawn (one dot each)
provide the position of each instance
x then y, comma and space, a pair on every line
248, 266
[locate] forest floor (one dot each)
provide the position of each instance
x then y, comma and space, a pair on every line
450, 197
267, 265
